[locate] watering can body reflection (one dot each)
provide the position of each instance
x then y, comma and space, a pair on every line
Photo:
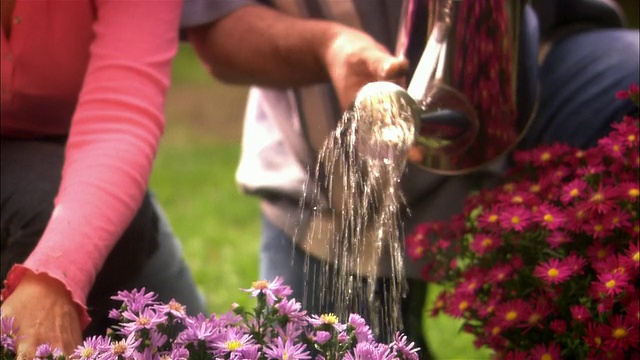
474, 89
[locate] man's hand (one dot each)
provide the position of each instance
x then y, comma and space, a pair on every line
45, 313
355, 59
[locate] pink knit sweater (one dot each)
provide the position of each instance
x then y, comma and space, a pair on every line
97, 70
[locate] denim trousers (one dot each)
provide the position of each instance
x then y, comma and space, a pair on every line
578, 80
147, 255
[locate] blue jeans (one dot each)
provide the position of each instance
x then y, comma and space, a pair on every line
578, 81
147, 254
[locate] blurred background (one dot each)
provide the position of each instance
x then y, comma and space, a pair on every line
219, 227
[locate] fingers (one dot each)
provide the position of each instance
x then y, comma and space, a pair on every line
394, 69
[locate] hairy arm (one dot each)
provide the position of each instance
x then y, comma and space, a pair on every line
258, 45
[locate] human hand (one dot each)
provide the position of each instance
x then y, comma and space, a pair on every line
45, 313
355, 59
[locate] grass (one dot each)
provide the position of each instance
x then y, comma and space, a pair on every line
219, 226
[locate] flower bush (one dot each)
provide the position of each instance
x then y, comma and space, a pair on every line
276, 328
545, 266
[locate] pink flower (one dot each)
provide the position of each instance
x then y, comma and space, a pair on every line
598, 200
611, 283
549, 351
621, 334
576, 263
515, 218
573, 190
558, 326
512, 312
580, 313
483, 243
499, 273
549, 216
557, 238
554, 271
632, 255
630, 93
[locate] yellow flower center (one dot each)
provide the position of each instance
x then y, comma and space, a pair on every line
511, 315
515, 220
487, 242
574, 193
546, 356
597, 198
119, 347
619, 333
86, 353
496, 330
534, 318
553, 272
260, 284
548, 218
517, 199
598, 228
329, 318
546, 156
233, 345
176, 306
610, 284
616, 148
463, 305
535, 188
631, 138
634, 193
597, 340
636, 256
143, 320
601, 253
493, 218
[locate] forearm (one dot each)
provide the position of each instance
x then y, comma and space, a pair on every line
258, 45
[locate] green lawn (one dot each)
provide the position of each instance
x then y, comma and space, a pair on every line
219, 227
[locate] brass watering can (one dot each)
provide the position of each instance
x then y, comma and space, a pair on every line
474, 89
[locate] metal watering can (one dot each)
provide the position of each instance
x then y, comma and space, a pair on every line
474, 90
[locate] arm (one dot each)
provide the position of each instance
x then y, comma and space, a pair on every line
258, 45
112, 143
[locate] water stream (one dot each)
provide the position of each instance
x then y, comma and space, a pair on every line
357, 206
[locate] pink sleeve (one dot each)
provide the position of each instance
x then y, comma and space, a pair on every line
112, 143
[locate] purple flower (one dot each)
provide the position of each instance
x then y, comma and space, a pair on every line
199, 329
322, 337
287, 350
179, 353
362, 330
44, 350
174, 308
272, 290
146, 318
370, 351
233, 340
89, 348
136, 300
8, 333
326, 319
407, 351
123, 348
291, 309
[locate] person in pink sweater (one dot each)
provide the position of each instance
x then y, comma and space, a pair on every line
83, 92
